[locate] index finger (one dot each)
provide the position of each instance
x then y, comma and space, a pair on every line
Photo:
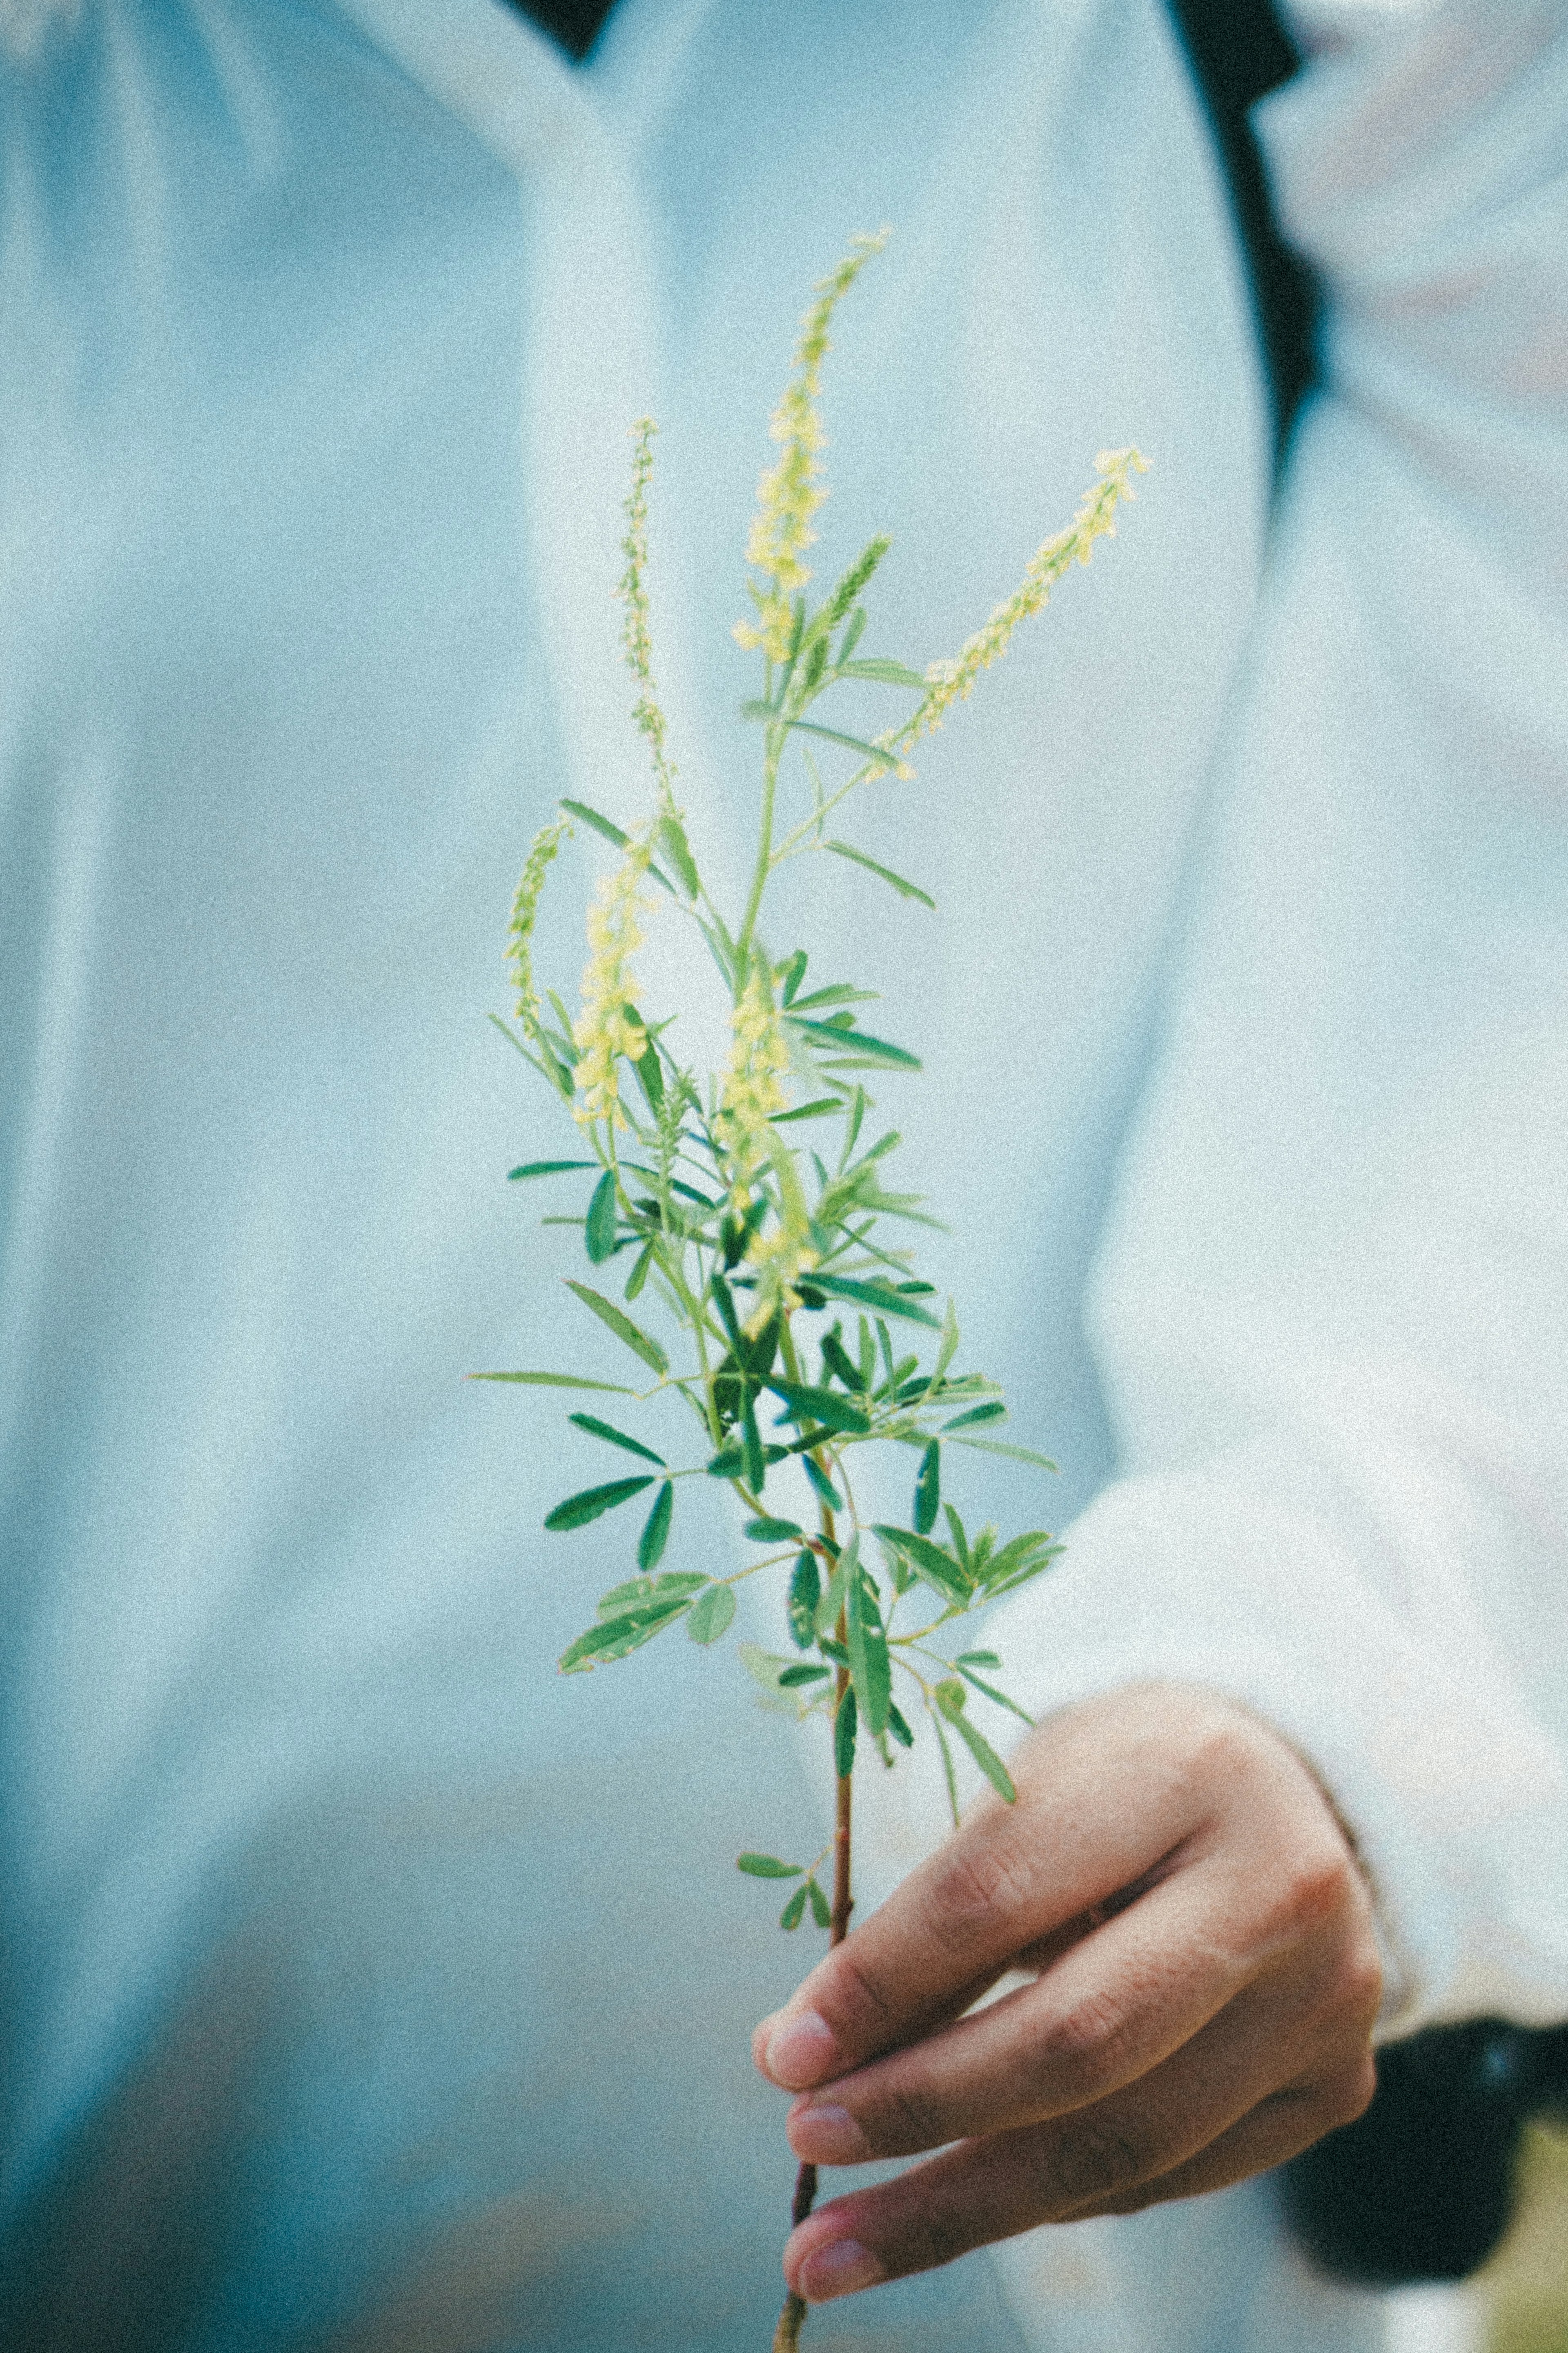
1084, 1827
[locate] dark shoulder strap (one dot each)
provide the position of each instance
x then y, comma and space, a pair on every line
1239, 51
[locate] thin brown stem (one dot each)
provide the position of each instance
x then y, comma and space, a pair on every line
791, 2320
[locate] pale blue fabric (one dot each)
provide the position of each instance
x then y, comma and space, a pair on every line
365, 1985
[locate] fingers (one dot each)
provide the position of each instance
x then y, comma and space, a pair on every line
1110, 2012
1091, 1817
991, 2190
1207, 2117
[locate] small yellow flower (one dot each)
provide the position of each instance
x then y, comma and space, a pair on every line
635, 636
605, 1029
752, 1088
951, 681
519, 931
790, 492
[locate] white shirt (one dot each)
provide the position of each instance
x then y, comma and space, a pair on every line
416, 1978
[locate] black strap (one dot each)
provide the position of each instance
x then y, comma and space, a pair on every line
1239, 51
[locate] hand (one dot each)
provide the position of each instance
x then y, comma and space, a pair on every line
1207, 1983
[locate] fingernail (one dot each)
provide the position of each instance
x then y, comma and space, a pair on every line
827, 2135
841, 2268
801, 2051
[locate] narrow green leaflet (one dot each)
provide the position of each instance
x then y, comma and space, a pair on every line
850, 743
932, 1562
642, 1592
950, 1697
997, 1446
623, 1327
678, 850
829, 1407
835, 1592
597, 1429
820, 1483
900, 1729
655, 1529
796, 1678
844, 1736
977, 1659
928, 1488
578, 1509
869, 1663
599, 1231
713, 1615
886, 673
804, 1593
994, 1411
615, 1638
905, 889
546, 1168
793, 1910
879, 1296
817, 1110
610, 831
766, 1531
558, 1381
999, 1698
872, 1053
767, 1866
821, 1910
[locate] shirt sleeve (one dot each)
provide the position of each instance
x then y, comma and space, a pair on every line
1332, 1310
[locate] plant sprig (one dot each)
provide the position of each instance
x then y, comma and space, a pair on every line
765, 1272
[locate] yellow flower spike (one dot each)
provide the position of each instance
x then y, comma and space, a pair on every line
790, 492
519, 931
752, 1088
604, 1030
635, 636
951, 681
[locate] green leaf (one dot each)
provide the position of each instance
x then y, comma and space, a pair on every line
820, 1483
766, 1531
878, 1296
998, 1446
791, 974
638, 1342
869, 1662
650, 1077
793, 1910
821, 1910
616, 1637
599, 1231
804, 1593
928, 1488
844, 1736
639, 1593
850, 743
906, 890
869, 1053
678, 850
712, 1615
949, 1348
1012, 1556
752, 1448
597, 1429
638, 1275
612, 832
558, 1381
999, 1698
731, 1461
977, 1659
835, 1592
986, 1757
768, 1866
546, 1168
829, 1407
656, 1528
932, 1562
886, 673
794, 1676
578, 1509
900, 1729
994, 1411
780, 1118
835, 1356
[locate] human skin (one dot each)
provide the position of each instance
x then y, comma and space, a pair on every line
1204, 1980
